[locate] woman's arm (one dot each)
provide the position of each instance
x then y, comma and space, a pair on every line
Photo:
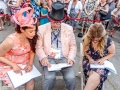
113, 12
96, 4
85, 7
91, 11
79, 14
42, 13
111, 53
69, 7
83, 1
5, 47
28, 68
32, 56
87, 55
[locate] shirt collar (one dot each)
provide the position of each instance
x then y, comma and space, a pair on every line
56, 29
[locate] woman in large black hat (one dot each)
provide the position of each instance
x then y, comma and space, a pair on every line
56, 45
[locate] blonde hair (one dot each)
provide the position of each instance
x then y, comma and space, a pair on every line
96, 30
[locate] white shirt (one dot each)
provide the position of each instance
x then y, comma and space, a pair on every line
78, 6
118, 1
3, 5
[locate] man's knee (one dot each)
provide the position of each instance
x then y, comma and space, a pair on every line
49, 77
70, 78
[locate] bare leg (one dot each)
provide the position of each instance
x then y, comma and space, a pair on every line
8, 21
113, 32
29, 85
86, 29
2, 23
109, 32
82, 30
93, 81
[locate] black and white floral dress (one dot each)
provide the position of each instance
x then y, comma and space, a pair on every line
95, 55
89, 7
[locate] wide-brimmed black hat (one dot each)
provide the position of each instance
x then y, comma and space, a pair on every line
57, 12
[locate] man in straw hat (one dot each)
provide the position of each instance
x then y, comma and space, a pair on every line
56, 44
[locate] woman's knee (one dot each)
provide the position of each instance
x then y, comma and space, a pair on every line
31, 82
94, 77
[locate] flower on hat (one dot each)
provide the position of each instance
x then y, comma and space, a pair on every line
24, 17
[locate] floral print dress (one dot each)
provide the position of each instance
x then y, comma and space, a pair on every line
37, 9
89, 7
18, 54
95, 55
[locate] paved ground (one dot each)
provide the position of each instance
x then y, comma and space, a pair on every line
113, 81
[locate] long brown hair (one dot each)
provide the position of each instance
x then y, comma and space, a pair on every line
31, 41
96, 30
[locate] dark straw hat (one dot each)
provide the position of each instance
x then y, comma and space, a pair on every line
57, 12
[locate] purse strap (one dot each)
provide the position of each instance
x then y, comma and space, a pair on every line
102, 6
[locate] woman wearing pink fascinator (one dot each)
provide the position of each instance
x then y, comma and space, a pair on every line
19, 47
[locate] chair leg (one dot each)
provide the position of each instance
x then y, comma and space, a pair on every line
82, 82
103, 88
0, 85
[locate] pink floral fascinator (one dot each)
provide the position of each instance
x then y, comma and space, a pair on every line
24, 17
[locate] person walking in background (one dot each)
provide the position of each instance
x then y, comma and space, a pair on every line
87, 14
15, 6
50, 3
37, 9
3, 8
7, 12
113, 26
19, 48
74, 10
103, 9
44, 12
97, 47
66, 2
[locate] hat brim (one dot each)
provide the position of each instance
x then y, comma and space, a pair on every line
51, 17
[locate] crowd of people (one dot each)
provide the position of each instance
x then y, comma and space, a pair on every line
47, 27
96, 10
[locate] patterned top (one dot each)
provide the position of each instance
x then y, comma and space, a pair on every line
90, 5
56, 40
18, 54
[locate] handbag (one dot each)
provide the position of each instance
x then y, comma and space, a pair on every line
102, 13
